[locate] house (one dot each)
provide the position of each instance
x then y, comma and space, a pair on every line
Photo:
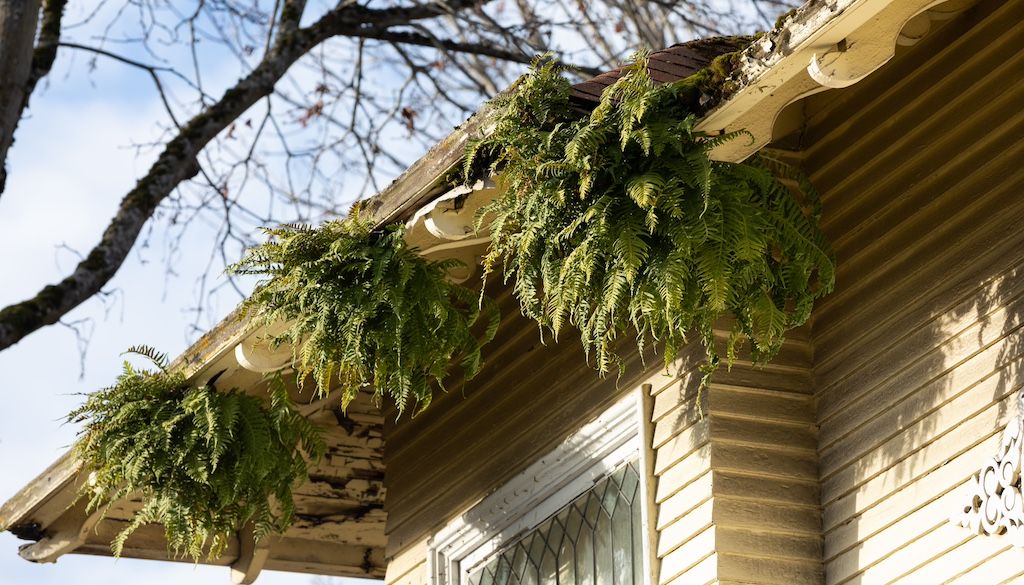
882, 445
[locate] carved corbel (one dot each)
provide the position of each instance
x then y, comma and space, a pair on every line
871, 46
840, 57
252, 556
451, 217
446, 228
257, 353
61, 542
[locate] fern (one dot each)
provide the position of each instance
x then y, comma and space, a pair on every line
367, 310
204, 462
621, 220
612, 224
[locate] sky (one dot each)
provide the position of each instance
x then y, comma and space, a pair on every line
70, 165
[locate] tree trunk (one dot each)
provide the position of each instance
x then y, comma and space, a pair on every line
19, 20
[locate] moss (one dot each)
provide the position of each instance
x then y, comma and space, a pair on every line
290, 13
29, 315
21, 317
709, 86
49, 34
781, 20
231, 98
95, 261
138, 197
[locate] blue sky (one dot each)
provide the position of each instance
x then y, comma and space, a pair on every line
71, 164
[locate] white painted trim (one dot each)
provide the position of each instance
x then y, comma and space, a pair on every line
992, 503
826, 44
452, 216
648, 483
544, 488
256, 352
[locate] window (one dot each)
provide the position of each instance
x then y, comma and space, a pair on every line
597, 539
574, 517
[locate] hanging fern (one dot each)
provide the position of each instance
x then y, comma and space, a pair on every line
367, 310
204, 462
620, 220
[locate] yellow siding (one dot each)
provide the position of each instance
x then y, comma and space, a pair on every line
841, 461
737, 475
918, 352
684, 489
529, 397
409, 567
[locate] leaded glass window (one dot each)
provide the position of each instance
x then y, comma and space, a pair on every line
595, 540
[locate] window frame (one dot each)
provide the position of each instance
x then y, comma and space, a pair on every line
546, 486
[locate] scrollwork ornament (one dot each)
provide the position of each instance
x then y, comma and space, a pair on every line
993, 503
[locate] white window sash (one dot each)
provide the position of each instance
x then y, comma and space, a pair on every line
541, 490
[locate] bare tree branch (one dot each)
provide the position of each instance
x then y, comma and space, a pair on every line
342, 113
152, 70
468, 48
179, 160
21, 65
46, 46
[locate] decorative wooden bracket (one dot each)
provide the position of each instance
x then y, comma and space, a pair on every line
252, 555
452, 216
61, 542
256, 353
862, 52
829, 45
993, 503
445, 228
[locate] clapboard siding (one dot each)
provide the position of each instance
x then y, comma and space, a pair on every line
737, 480
480, 434
735, 463
918, 353
765, 483
684, 491
841, 461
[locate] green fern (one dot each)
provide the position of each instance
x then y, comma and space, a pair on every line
204, 462
621, 220
367, 310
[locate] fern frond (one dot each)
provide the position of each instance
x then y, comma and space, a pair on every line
158, 358
366, 309
657, 237
204, 462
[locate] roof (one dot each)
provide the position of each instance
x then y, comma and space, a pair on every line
826, 43
672, 64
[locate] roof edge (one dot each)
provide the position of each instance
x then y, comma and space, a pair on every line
59, 475
825, 44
